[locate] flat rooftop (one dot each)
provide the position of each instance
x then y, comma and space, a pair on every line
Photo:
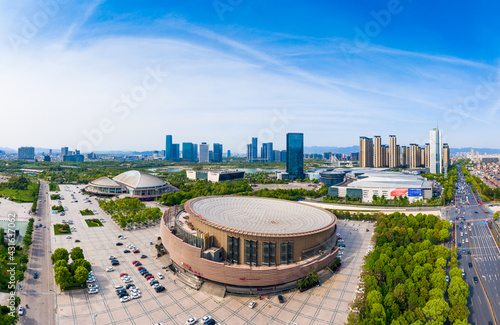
261, 215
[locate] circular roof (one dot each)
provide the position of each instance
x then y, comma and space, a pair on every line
105, 182
260, 215
139, 179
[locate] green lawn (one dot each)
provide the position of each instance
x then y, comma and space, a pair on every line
93, 222
62, 229
19, 196
86, 212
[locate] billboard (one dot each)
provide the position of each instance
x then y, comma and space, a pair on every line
399, 192
415, 192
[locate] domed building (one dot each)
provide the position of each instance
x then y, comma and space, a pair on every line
249, 243
135, 183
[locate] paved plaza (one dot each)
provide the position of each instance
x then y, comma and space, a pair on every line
326, 304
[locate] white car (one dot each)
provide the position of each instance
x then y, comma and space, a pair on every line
68, 237
252, 304
138, 291
206, 319
128, 280
93, 286
111, 257
125, 299
110, 269
160, 276
135, 295
93, 290
191, 321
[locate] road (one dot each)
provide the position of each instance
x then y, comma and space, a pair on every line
480, 254
39, 294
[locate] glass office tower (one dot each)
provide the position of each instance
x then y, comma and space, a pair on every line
295, 155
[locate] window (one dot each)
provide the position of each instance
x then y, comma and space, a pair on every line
286, 253
233, 249
268, 253
251, 252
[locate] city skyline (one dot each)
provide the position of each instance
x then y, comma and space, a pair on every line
96, 76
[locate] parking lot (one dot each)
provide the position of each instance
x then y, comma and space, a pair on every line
326, 304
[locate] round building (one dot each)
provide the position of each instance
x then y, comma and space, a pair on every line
135, 183
246, 241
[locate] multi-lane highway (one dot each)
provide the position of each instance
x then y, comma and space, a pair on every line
480, 256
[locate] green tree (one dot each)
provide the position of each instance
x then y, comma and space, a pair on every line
495, 216
81, 275
458, 291
455, 272
61, 263
437, 310
60, 254
459, 313
77, 253
444, 234
81, 262
63, 277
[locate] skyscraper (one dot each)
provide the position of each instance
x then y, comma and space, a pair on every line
254, 149
64, 151
427, 152
187, 151
414, 155
263, 152
217, 152
175, 151
393, 152
446, 155
377, 151
270, 153
204, 156
365, 152
435, 152
229, 154
168, 148
404, 156
295, 155
195, 152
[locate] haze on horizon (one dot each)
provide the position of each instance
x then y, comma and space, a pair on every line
111, 75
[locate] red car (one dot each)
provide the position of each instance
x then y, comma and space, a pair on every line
133, 262
140, 268
149, 277
137, 251
123, 274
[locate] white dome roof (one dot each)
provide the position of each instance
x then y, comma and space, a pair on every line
139, 179
105, 182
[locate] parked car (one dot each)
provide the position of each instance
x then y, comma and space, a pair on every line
136, 251
252, 304
35, 275
160, 276
144, 256
191, 321
110, 269
21, 311
126, 251
205, 319
125, 299
119, 244
281, 299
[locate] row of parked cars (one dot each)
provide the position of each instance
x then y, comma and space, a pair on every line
148, 276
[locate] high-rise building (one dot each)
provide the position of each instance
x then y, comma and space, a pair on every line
50, 152
471, 153
195, 152
187, 151
377, 151
355, 156
229, 154
423, 158
277, 155
436, 152
168, 148
249, 152
427, 152
263, 152
64, 151
365, 152
204, 156
414, 155
404, 156
176, 151
46, 158
446, 155
254, 149
283, 156
295, 155
26, 153
217, 153
210, 156
393, 152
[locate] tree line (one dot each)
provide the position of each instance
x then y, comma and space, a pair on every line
404, 278
130, 211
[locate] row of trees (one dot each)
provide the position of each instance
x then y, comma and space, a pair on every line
309, 281
404, 278
204, 188
447, 183
288, 194
130, 211
70, 274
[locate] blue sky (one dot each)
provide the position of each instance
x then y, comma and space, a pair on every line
118, 75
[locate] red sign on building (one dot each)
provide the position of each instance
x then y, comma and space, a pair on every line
399, 192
